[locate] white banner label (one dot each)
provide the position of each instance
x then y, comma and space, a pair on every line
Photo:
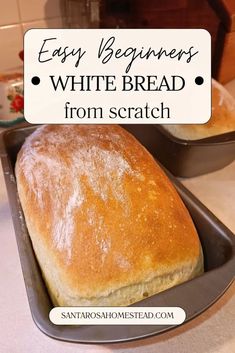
117, 316
113, 76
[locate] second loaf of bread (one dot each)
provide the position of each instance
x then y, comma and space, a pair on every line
222, 118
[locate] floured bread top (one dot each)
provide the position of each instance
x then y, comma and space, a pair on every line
222, 117
103, 208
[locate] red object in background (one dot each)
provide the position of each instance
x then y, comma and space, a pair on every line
21, 55
17, 104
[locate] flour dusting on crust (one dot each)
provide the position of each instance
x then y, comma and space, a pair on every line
60, 178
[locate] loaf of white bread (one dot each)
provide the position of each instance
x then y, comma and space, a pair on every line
222, 118
107, 226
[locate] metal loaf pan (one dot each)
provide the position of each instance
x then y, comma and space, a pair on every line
194, 296
186, 158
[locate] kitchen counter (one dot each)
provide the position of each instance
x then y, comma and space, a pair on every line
211, 332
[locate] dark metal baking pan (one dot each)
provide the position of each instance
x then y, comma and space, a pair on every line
194, 296
185, 158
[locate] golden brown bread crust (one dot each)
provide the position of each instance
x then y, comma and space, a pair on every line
104, 220
222, 119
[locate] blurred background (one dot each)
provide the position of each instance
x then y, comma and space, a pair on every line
17, 16
217, 16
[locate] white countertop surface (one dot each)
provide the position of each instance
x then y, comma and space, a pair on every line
211, 332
